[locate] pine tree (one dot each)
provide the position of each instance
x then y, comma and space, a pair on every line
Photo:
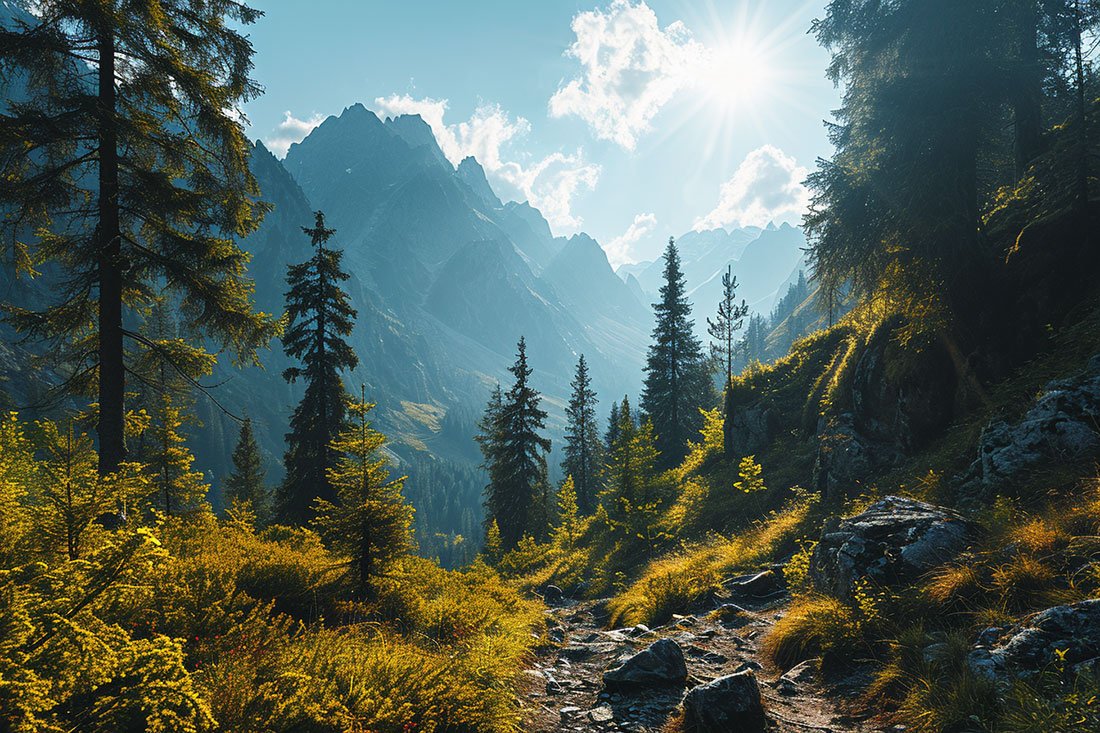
369, 522
754, 343
167, 371
246, 482
518, 459
723, 329
69, 492
582, 443
728, 321
612, 433
492, 549
566, 528
321, 317
677, 383
128, 128
631, 494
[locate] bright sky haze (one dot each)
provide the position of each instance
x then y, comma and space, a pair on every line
631, 120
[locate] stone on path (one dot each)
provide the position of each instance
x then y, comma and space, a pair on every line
661, 663
727, 704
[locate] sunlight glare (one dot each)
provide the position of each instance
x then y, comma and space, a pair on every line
737, 73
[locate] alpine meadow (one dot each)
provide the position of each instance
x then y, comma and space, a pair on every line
662, 366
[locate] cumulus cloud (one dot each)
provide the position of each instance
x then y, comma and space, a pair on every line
549, 184
619, 249
766, 187
631, 67
291, 130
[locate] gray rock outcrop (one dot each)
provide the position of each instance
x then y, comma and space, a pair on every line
1072, 630
892, 543
1063, 424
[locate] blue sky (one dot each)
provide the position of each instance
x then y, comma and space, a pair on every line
631, 120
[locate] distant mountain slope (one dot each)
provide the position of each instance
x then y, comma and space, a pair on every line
445, 276
765, 262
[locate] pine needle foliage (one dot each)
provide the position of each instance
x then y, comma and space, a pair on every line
320, 319
126, 171
369, 522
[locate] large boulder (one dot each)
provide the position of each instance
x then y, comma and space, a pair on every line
892, 543
1072, 631
730, 703
661, 663
845, 456
901, 395
1063, 424
750, 429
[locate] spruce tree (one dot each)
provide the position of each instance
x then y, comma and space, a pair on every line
518, 473
126, 176
69, 494
677, 382
369, 521
612, 432
631, 497
179, 489
321, 317
246, 482
582, 442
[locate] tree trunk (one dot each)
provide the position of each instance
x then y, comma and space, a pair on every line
112, 376
1082, 182
1027, 91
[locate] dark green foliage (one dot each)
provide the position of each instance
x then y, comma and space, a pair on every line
583, 452
612, 433
944, 103
677, 382
447, 496
126, 175
632, 495
518, 494
246, 483
321, 317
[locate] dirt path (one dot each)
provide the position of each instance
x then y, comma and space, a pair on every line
566, 692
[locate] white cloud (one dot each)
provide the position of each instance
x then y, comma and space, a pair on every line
291, 130
631, 68
549, 184
619, 249
766, 187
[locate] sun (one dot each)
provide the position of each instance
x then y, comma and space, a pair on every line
735, 74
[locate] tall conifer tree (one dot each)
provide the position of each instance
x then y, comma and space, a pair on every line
516, 493
128, 126
582, 441
677, 382
321, 317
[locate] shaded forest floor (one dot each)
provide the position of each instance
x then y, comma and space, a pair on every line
566, 692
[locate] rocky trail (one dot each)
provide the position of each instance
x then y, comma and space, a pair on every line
568, 690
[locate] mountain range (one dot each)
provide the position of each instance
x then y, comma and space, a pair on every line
765, 261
